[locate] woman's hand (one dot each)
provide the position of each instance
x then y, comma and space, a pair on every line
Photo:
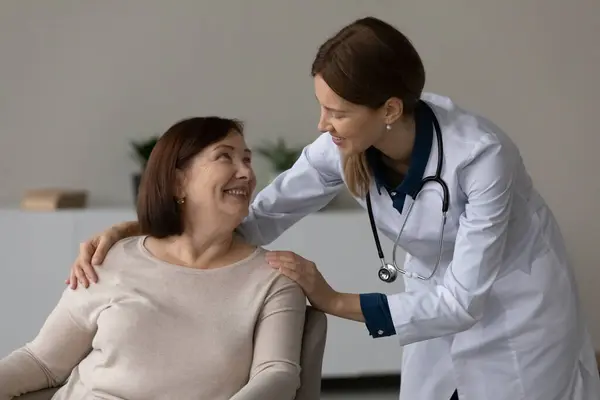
94, 250
306, 274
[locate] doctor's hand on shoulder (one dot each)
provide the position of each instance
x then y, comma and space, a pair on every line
305, 273
321, 296
92, 253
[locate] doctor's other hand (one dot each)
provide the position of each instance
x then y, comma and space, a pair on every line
306, 274
91, 252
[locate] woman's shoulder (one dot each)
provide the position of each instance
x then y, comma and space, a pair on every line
110, 274
469, 137
123, 248
255, 262
275, 289
119, 256
467, 128
264, 273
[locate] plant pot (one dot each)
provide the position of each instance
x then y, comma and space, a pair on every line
135, 182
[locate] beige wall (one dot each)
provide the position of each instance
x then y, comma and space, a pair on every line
78, 79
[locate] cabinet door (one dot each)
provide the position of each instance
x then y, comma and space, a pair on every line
35, 258
92, 222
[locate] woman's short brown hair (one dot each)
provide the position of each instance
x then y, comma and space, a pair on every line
367, 63
158, 213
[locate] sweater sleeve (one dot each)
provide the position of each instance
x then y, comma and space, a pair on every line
63, 341
275, 373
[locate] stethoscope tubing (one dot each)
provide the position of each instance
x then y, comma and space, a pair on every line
388, 272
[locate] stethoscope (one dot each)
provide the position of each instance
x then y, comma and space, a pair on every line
389, 272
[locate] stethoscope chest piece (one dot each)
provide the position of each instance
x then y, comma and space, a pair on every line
387, 273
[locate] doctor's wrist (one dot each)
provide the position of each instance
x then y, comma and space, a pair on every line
346, 305
333, 305
126, 229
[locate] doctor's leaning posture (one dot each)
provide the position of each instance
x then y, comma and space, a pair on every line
491, 309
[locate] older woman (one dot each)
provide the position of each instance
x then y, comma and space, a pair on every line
188, 310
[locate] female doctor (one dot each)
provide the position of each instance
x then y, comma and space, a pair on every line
490, 310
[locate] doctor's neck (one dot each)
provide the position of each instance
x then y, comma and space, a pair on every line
397, 143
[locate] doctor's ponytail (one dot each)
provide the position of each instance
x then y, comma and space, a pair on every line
367, 63
357, 174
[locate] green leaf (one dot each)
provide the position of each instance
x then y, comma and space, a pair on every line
280, 156
142, 149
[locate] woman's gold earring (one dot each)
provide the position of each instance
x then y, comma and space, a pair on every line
181, 200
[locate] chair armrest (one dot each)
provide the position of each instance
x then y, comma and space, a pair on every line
311, 359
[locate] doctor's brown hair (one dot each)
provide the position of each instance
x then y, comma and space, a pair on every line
367, 63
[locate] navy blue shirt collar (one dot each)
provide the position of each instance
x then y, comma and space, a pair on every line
419, 157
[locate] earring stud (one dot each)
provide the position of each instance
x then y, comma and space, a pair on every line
181, 201
388, 127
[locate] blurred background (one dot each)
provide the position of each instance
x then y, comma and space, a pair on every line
83, 84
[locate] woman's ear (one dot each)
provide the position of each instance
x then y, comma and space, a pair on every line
393, 110
180, 184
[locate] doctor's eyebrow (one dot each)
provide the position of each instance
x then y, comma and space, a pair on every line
330, 108
335, 110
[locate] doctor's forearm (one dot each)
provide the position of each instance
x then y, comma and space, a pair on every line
370, 308
347, 306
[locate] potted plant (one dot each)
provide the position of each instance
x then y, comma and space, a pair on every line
141, 153
280, 155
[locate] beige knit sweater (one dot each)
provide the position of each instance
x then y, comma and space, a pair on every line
152, 330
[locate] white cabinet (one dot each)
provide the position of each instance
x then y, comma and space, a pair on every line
37, 249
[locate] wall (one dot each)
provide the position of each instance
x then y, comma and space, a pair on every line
79, 79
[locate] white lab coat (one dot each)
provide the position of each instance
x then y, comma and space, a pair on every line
501, 319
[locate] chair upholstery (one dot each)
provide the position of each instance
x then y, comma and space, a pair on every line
311, 360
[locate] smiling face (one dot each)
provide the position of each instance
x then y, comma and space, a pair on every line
219, 181
353, 128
